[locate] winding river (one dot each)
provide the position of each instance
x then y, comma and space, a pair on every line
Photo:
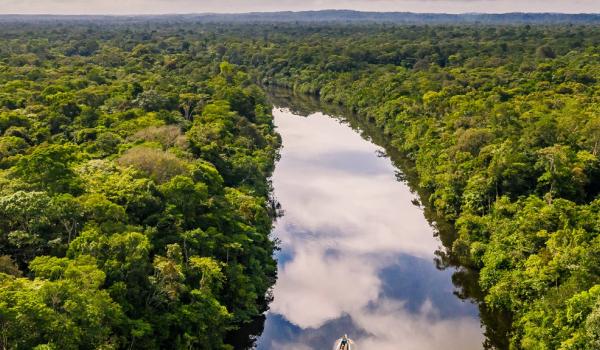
358, 254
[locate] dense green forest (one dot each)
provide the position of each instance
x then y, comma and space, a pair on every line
134, 160
133, 192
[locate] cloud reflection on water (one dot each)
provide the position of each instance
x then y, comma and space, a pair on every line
355, 249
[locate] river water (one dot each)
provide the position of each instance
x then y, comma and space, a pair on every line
358, 255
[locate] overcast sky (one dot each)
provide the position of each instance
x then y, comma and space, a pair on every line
195, 6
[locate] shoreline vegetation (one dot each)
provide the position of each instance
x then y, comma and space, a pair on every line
134, 165
508, 154
133, 192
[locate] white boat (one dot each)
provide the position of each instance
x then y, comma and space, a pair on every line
349, 344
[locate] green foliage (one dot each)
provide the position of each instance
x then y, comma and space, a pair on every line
48, 167
62, 308
118, 161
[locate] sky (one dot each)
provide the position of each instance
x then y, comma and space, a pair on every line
126, 7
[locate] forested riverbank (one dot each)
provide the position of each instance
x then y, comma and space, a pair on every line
133, 191
503, 124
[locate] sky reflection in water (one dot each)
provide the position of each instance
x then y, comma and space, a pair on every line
357, 255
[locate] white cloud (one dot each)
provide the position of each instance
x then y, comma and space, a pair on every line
313, 289
347, 219
391, 327
367, 207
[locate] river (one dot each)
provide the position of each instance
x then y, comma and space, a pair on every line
359, 253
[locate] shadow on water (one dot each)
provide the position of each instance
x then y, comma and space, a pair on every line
497, 326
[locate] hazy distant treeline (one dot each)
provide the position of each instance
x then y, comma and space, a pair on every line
327, 16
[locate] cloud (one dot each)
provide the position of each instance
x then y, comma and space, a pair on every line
189, 6
314, 289
344, 190
390, 327
357, 254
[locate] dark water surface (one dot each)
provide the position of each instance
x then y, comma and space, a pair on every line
358, 252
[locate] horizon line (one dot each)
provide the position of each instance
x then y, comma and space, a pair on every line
292, 11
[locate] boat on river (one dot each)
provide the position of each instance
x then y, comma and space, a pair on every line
344, 343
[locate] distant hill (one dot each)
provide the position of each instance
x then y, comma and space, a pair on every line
328, 16
402, 17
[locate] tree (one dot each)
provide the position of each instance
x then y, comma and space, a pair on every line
555, 161
592, 327
189, 102
48, 167
211, 276
7, 266
159, 165
187, 198
68, 211
62, 308
151, 100
168, 277
545, 52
